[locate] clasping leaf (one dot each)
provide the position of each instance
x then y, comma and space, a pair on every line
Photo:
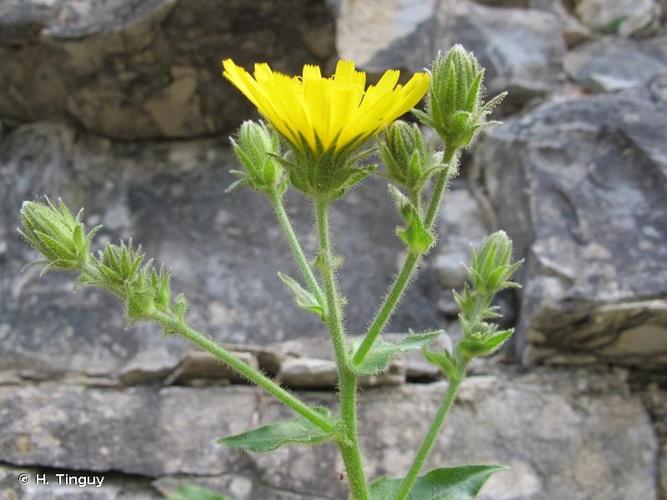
303, 298
272, 436
447, 483
378, 358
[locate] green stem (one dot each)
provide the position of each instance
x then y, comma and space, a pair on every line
410, 263
244, 369
297, 251
432, 435
348, 443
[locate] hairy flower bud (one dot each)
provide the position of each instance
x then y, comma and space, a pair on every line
258, 150
454, 107
56, 233
491, 266
409, 162
120, 264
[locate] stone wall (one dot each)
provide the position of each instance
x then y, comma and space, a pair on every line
118, 106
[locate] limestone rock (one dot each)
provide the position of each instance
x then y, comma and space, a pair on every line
663, 471
61, 487
463, 225
308, 373
520, 49
135, 69
574, 31
623, 17
612, 64
506, 418
200, 367
223, 249
571, 181
498, 418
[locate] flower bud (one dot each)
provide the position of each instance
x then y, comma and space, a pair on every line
56, 233
481, 339
454, 106
258, 149
491, 266
408, 161
119, 264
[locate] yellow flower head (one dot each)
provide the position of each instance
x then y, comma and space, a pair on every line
319, 114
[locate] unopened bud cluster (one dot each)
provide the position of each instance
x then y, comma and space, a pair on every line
409, 161
56, 233
62, 239
490, 272
454, 106
258, 150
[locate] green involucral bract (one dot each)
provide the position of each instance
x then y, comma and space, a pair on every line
312, 148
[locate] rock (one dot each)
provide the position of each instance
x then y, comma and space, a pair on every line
464, 223
520, 4
595, 65
622, 17
197, 367
462, 226
142, 431
113, 487
574, 31
144, 69
171, 432
451, 270
169, 196
148, 367
308, 373
497, 417
240, 486
520, 49
570, 181
269, 358
662, 473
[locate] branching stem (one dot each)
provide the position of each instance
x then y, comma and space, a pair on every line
410, 264
252, 374
297, 251
429, 440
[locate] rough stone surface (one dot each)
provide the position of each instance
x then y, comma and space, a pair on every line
571, 181
520, 49
574, 31
307, 373
537, 420
463, 225
596, 66
114, 486
223, 249
148, 68
201, 367
663, 472
623, 17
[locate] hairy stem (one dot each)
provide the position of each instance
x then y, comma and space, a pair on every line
410, 264
244, 369
348, 442
297, 251
429, 440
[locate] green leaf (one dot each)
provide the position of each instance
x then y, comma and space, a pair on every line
193, 492
446, 361
303, 298
272, 436
378, 358
447, 483
416, 237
